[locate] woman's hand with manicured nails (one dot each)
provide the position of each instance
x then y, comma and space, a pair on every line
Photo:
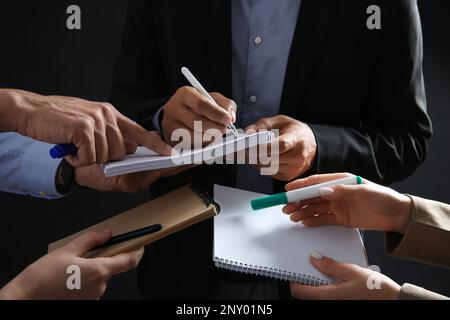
368, 206
352, 283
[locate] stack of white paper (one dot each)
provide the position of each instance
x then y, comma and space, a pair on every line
146, 160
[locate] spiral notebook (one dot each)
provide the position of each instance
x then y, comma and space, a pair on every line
267, 243
145, 159
175, 211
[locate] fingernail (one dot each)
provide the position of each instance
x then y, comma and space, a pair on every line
316, 255
226, 119
325, 191
105, 232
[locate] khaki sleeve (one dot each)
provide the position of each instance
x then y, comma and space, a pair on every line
427, 239
412, 292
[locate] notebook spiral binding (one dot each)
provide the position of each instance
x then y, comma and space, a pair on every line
269, 272
205, 198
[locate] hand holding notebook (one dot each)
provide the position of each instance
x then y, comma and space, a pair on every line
172, 212
267, 243
264, 243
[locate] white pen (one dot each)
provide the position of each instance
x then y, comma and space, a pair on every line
196, 84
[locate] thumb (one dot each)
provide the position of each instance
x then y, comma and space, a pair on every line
86, 242
267, 124
331, 267
130, 146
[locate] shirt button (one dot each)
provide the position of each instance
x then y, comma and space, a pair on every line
258, 40
253, 99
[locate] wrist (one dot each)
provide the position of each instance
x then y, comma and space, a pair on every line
10, 113
404, 214
18, 289
7, 294
4, 294
312, 147
392, 290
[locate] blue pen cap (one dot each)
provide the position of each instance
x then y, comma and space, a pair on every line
269, 201
61, 150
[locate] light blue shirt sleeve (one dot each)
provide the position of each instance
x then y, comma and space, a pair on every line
26, 167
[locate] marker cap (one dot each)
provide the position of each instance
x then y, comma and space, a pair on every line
359, 180
61, 150
269, 201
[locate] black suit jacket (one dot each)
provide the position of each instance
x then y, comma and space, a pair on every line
360, 90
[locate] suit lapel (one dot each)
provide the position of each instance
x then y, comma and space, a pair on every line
217, 17
312, 26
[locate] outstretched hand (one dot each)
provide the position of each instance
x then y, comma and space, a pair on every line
368, 206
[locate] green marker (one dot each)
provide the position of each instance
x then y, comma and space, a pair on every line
301, 194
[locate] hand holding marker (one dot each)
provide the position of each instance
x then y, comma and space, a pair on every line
301, 194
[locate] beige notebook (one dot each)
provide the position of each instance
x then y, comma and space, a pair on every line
174, 211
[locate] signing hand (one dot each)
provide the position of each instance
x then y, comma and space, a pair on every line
47, 277
353, 283
188, 105
368, 206
297, 147
98, 130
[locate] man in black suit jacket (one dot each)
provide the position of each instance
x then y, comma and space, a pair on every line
354, 96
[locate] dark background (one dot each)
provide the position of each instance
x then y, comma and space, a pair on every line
38, 53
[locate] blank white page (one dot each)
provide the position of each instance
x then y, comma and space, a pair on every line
268, 238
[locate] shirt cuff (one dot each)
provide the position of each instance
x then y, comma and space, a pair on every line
412, 292
38, 172
423, 240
